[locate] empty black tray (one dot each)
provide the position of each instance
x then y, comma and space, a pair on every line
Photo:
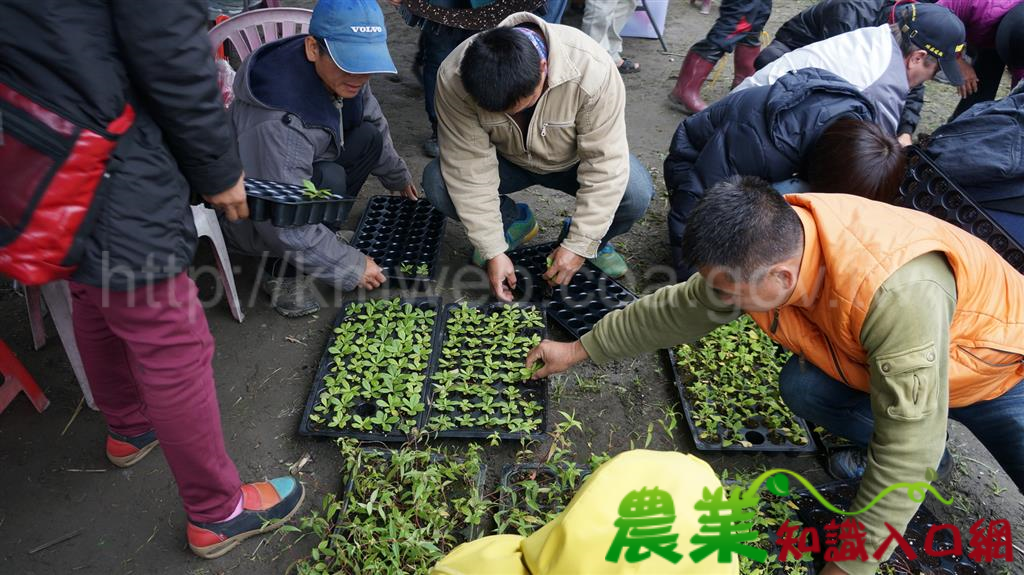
531, 390
286, 205
366, 408
395, 231
841, 495
757, 436
588, 297
927, 189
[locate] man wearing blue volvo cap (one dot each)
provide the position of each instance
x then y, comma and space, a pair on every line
303, 110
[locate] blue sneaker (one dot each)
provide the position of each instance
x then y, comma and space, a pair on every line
522, 230
608, 260
849, 464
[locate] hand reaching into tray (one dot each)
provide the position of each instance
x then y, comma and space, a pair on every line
556, 357
410, 192
501, 272
562, 265
373, 276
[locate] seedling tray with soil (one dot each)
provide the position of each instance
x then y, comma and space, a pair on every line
397, 511
481, 388
531, 494
577, 306
927, 189
772, 512
403, 237
287, 205
372, 380
728, 384
841, 495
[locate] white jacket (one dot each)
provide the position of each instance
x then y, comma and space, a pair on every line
868, 58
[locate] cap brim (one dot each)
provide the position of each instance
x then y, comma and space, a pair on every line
951, 69
357, 58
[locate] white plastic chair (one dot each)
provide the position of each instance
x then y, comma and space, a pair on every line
57, 296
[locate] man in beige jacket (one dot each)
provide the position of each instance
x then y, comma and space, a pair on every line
531, 103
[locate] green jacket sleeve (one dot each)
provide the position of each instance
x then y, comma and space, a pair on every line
906, 336
682, 313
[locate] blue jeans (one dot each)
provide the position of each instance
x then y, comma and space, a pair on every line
639, 191
553, 10
437, 41
846, 412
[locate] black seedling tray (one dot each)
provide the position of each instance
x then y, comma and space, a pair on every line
510, 470
841, 495
758, 436
395, 231
588, 297
286, 205
927, 189
827, 441
531, 390
774, 549
469, 533
309, 428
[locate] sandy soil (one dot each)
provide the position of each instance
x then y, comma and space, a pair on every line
57, 481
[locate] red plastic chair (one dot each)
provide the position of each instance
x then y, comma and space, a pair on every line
249, 30
17, 379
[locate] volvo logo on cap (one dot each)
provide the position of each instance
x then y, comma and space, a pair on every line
367, 29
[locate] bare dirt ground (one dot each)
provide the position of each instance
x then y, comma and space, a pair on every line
56, 480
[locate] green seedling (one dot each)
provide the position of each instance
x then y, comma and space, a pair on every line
732, 384
311, 192
402, 514
483, 368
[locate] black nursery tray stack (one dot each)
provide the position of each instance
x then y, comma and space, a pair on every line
758, 436
588, 297
841, 495
495, 389
403, 237
927, 189
286, 205
337, 366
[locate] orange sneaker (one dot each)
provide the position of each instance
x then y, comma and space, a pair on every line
266, 506
125, 451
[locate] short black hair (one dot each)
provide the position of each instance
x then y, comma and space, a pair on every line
743, 225
858, 158
500, 68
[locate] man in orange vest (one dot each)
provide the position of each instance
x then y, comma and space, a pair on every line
897, 321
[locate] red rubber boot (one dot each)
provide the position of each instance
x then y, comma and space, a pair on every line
685, 97
743, 62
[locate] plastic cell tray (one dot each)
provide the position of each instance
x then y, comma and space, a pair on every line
396, 231
468, 533
774, 549
286, 205
511, 474
530, 390
577, 306
841, 494
927, 189
366, 408
759, 437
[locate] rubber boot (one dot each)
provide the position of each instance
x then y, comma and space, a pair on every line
685, 97
743, 62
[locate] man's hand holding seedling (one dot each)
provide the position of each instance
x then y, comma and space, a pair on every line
556, 357
501, 272
562, 265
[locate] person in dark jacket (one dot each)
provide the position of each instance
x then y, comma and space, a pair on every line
738, 28
304, 110
769, 132
982, 151
832, 18
139, 325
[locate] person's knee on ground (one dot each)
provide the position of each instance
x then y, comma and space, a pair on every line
858, 158
364, 145
635, 200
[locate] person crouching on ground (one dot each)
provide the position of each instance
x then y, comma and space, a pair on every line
531, 103
896, 319
303, 110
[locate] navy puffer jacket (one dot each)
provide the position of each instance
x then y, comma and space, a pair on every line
762, 131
